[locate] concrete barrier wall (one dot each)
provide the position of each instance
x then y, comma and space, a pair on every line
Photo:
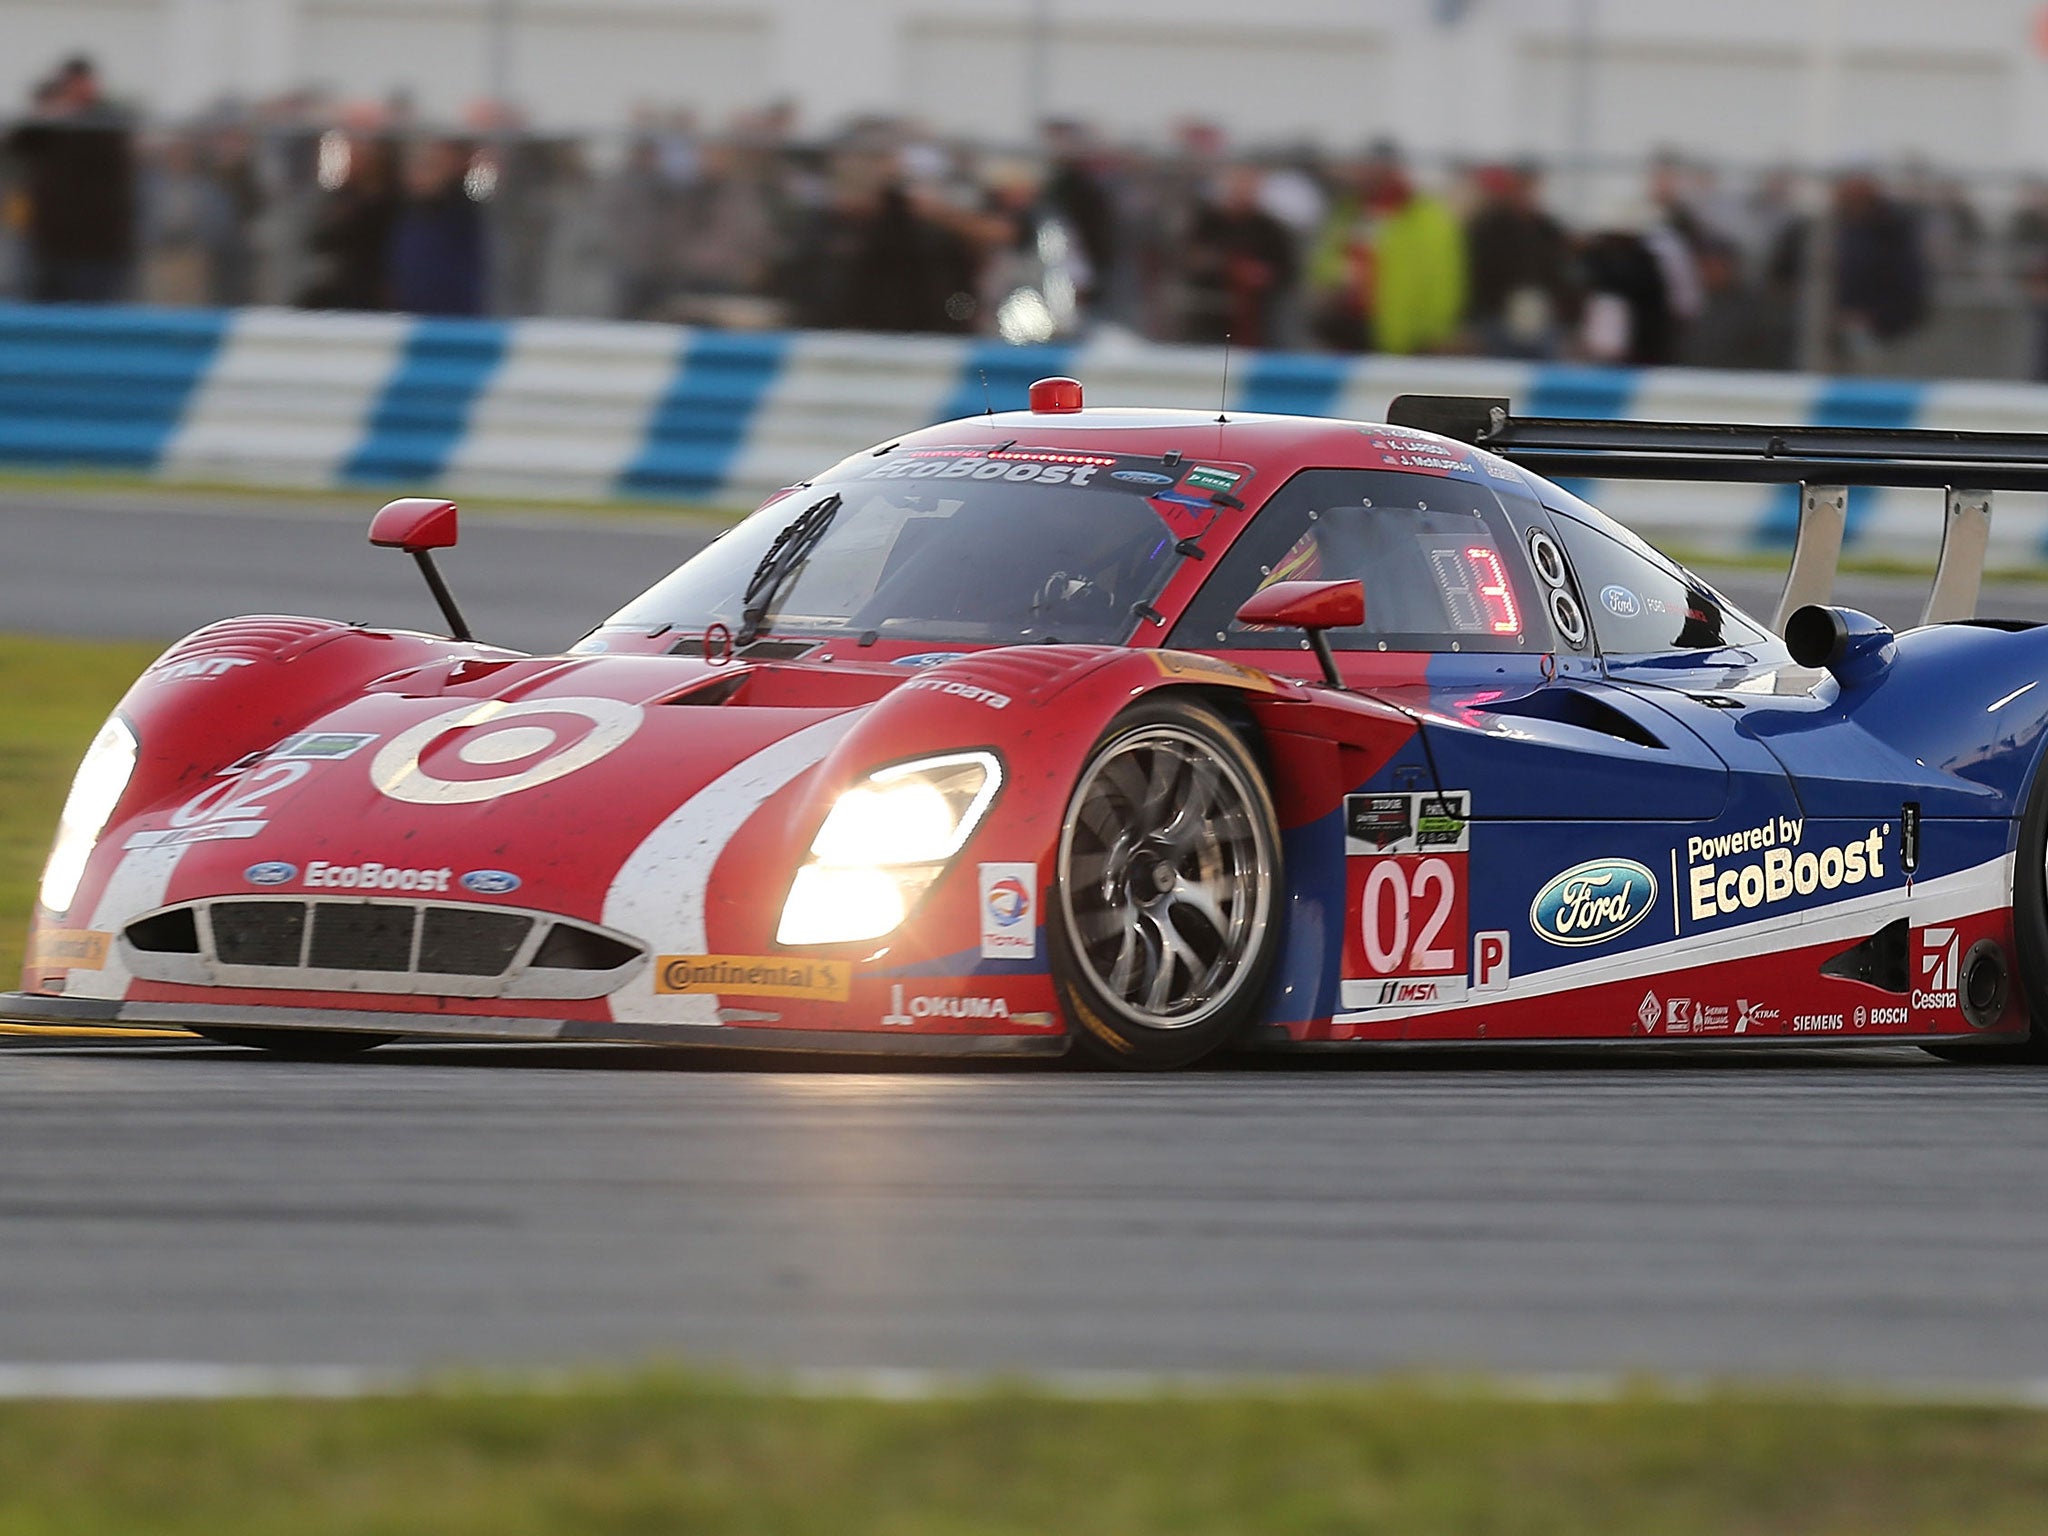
594, 410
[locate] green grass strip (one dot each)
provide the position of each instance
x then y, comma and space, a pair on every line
681, 1454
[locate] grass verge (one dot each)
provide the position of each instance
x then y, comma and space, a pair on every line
675, 1453
53, 696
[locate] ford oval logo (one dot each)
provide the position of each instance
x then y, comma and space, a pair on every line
490, 882
1141, 477
1593, 902
274, 872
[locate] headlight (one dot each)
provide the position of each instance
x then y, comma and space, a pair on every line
95, 790
883, 843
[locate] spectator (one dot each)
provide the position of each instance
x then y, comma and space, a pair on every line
437, 252
1520, 260
1076, 193
350, 238
1674, 237
77, 159
1740, 324
1241, 264
1879, 272
1627, 319
1389, 271
2026, 239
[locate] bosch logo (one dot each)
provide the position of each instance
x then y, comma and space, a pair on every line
1593, 902
486, 751
491, 882
1008, 901
274, 872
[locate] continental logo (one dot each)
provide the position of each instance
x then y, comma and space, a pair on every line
825, 981
1186, 664
78, 949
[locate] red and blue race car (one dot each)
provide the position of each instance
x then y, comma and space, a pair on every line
1142, 733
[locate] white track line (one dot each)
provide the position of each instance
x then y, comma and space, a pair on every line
185, 1381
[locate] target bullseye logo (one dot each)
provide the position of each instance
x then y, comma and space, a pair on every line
485, 751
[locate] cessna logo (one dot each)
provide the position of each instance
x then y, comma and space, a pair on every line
1938, 961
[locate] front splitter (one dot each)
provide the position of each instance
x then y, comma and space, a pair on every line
68, 1013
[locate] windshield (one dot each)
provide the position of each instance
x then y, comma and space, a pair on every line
966, 544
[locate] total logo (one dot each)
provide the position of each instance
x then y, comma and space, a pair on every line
1009, 911
903, 1013
1938, 959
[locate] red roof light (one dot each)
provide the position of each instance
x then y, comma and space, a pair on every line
1056, 397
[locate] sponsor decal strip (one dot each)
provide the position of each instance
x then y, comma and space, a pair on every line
1967, 892
1949, 898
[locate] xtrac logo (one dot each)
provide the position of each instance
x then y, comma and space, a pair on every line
1935, 965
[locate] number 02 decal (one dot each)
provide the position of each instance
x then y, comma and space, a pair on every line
1406, 883
1409, 900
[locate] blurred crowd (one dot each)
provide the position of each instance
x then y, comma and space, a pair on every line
886, 227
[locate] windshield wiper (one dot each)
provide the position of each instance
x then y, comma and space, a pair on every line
789, 550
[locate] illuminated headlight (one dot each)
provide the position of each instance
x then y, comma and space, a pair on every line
95, 790
883, 843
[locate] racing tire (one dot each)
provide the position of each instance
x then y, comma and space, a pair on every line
298, 1044
2030, 938
1164, 917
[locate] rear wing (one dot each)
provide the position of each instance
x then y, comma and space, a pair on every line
1823, 461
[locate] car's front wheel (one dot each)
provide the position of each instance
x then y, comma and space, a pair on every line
1165, 903
297, 1044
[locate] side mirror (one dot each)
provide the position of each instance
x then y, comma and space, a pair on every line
1311, 606
415, 524
419, 525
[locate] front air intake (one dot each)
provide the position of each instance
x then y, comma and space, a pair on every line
441, 949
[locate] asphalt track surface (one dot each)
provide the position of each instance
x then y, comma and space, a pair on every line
1869, 1216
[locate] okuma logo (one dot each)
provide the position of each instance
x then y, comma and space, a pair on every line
1593, 902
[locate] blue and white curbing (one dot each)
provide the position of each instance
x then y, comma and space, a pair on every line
591, 410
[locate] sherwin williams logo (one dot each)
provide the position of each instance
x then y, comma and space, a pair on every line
491, 882
1593, 902
275, 872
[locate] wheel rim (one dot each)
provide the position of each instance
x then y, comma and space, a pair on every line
1165, 877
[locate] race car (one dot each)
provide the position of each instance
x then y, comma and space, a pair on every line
1137, 733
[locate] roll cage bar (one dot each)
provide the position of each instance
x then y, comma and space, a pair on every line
1824, 462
